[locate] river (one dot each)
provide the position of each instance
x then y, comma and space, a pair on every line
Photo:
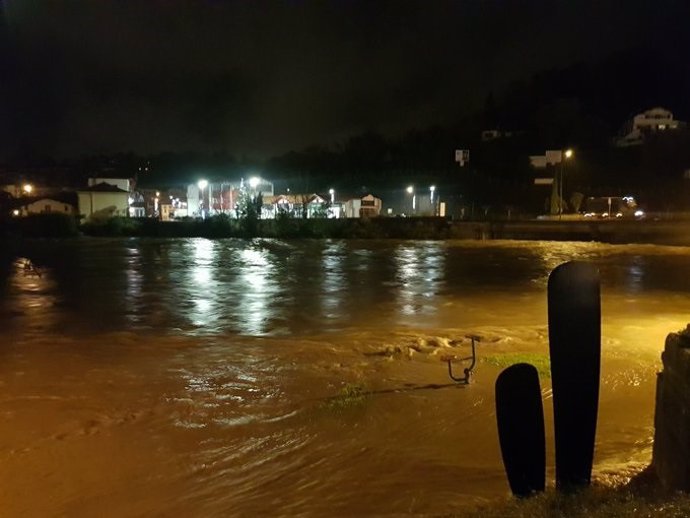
192, 377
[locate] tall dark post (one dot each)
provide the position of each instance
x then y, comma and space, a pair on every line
575, 348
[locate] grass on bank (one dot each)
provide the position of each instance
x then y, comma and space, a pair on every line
540, 361
641, 496
597, 502
352, 395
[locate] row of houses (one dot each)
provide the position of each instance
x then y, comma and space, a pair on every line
104, 198
99, 198
212, 198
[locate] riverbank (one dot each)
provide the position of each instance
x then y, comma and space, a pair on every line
642, 495
427, 228
604, 231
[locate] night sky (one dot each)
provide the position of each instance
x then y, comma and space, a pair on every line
260, 78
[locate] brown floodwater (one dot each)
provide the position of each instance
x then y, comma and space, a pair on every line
192, 377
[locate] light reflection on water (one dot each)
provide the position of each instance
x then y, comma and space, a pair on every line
332, 268
134, 283
419, 272
203, 288
270, 287
258, 285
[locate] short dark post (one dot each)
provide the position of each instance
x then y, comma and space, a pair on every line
520, 418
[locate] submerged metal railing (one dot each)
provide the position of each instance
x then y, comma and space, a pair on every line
450, 359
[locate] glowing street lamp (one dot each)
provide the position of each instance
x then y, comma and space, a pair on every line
432, 190
332, 193
410, 190
202, 184
28, 188
567, 154
254, 182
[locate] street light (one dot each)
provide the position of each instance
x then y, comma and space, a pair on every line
202, 184
332, 193
28, 188
567, 154
432, 190
410, 190
254, 182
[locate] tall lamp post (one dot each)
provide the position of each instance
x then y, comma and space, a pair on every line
410, 190
432, 190
202, 184
567, 155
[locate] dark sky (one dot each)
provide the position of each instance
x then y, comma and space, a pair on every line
259, 78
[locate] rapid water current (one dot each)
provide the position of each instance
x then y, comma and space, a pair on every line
193, 377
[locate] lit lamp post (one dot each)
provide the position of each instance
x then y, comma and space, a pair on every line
202, 184
432, 190
567, 155
27, 188
410, 190
332, 193
254, 182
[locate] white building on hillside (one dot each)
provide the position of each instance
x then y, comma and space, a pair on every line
651, 121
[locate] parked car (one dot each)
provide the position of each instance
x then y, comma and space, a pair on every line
616, 207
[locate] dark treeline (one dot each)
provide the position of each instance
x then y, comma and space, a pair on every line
582, 107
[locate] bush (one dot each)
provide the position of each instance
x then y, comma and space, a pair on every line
117, 226
41, 225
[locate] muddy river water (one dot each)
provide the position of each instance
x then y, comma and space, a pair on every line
251, 378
